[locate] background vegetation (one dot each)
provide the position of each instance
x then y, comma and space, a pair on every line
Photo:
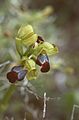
58, 22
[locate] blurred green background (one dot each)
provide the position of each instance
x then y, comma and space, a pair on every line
57, 21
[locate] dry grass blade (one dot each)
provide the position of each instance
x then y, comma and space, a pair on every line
73, 111
44, 109
4, 64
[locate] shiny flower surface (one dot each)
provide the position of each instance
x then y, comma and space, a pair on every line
16, 74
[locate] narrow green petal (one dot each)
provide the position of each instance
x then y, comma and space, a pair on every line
50, 48
45, 48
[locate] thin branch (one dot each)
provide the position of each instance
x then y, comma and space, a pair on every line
27, 87
55, 98
30, 91
38, 97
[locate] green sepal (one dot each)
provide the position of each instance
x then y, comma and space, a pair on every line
27, 35
30, 40
25, 31
30, 65
32, 75
32, 72
47, 48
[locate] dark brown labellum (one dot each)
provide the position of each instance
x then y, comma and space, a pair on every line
12, 76
45, 67
16, 74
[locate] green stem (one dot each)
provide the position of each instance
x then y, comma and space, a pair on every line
6, 99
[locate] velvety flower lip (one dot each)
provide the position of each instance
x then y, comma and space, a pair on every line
45, 67
12, 76
16, 74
